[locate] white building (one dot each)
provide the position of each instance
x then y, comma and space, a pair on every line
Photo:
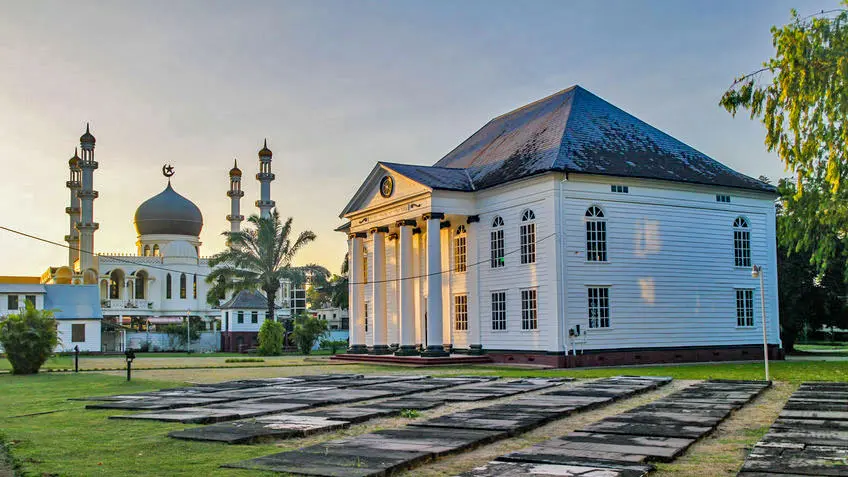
163, 281
74, 307
336, 318
566, 232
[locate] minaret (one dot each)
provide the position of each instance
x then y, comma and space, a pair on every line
73, 209
265, 176
235, 194
87, 226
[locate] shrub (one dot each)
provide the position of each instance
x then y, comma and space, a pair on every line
29, 338
244, 360
307, 330
271, 338
333, 345
410, 413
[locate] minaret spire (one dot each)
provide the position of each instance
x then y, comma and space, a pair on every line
235, 194
265, 176
86, 225
73, 209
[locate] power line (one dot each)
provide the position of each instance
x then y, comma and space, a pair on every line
130, 262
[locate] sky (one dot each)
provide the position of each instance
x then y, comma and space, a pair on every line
335, 86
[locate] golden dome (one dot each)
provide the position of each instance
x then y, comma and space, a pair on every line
73, 162
235, 171
265, 152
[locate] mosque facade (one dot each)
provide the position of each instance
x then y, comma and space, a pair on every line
163, 281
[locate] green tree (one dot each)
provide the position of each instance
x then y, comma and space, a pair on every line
29, 338
177, 332
307, 330
271, 335
801, 96
260, 257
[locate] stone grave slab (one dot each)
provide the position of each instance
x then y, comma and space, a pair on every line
419, 404
669, 418
207, 415
809, 460
352, 414
608, 426
524, 469
821, 415
252, 430
662, 449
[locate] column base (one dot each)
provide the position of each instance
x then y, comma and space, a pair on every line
407, 350
357, 349
380, 350
476, 350
435, 352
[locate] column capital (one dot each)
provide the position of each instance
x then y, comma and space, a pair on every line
433, 215
472, 219
384, 229
444, 225
357, 235
393, 236
416, 231
406, 223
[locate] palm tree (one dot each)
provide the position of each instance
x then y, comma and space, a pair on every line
259, 258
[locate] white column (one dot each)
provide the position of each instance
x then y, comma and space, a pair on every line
474, 301
434, 286
378, 291
356, 295
406, 289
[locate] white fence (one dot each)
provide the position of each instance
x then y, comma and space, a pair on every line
209, 341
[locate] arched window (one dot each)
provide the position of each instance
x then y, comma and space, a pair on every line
140, 284
116, 283
147, 250
194, 286
364, 265
168, 286
156, 250
596, 235
528, 237
182, 285
460, 250
497, 242
741, 243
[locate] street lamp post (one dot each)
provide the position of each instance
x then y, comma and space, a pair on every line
757, 272
188, 332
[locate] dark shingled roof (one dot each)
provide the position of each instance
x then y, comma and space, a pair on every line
444, 178
246, 299
572, 131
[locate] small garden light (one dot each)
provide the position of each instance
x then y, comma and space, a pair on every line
130, 356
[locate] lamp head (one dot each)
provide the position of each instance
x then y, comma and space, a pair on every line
755, 271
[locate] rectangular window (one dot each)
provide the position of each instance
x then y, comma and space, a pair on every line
226, 321
12, 302
194, 287
528, 243
78, 333
723, 198
240, 318
498, 248
460, 312
459, 253
254, 317
499, 310
529, 319
599, 312
31, 299
745, 307
742, 247
596, 241
620, 189
366, 317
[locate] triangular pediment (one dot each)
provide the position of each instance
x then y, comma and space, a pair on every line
371, 192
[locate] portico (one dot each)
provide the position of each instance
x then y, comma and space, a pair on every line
400, 287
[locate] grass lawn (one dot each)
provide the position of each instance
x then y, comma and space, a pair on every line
823, 346
68, 440
167, 360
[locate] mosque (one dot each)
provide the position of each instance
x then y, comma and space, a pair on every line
164, 280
